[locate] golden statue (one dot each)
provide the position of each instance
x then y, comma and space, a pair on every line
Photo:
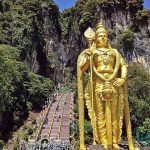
105, 94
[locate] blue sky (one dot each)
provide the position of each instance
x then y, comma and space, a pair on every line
147, 4
63, 4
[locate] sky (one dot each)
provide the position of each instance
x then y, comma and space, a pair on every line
63, 4
147, 4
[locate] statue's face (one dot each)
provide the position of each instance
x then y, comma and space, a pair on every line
101, 40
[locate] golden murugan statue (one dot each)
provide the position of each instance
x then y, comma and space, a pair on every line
105, 94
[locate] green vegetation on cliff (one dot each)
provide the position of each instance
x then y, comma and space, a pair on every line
21, 25
21, 90
83, 14
139, 95
142, 15
127, 39
139, 99
22, 46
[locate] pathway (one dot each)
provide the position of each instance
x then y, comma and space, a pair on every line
56, 125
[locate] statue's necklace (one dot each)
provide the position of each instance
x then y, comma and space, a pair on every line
105, 55
108, 59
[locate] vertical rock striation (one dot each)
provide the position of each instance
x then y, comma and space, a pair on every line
117, 16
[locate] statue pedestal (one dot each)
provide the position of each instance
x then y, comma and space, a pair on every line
96, 147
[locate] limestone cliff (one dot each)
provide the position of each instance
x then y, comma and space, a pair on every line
50, 41
121, 18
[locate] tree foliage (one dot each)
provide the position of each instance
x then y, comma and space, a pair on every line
127, 39
142, 15
21, 36
1, 144
139, 95
20, 88
9, 74
21, 24
145, 128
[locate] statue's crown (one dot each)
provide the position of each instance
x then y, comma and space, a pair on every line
100, 28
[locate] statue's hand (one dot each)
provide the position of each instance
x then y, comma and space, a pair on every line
84, 58
88, 53
119, 82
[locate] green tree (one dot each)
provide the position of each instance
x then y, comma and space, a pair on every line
9, 74
1, 144
127, 39
20, 88
139, 95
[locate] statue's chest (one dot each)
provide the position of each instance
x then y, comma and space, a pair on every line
103, 56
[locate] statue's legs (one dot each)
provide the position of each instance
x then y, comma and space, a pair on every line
115, 123
99, 109
100, 119
117, 116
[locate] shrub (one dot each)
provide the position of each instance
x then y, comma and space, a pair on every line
16, 117
112, 34
142, 15
30, 131
127, 39
88, 128
143, 133
25, 136
145, 128
33, 119
85, 21
25, 127
15, 147
116, 45
76, 128
1, 144
29, 106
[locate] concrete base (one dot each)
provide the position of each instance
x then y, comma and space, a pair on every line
96, 147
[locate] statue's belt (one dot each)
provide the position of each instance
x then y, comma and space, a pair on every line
106, 91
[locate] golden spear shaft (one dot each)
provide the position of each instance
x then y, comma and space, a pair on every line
92, 99
90, 35
127, 119
81, 108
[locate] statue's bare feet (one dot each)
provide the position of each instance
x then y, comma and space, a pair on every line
133, 148
83, 148
116, 147
105, 146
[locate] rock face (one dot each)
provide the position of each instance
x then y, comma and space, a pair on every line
50, 41
64, 31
